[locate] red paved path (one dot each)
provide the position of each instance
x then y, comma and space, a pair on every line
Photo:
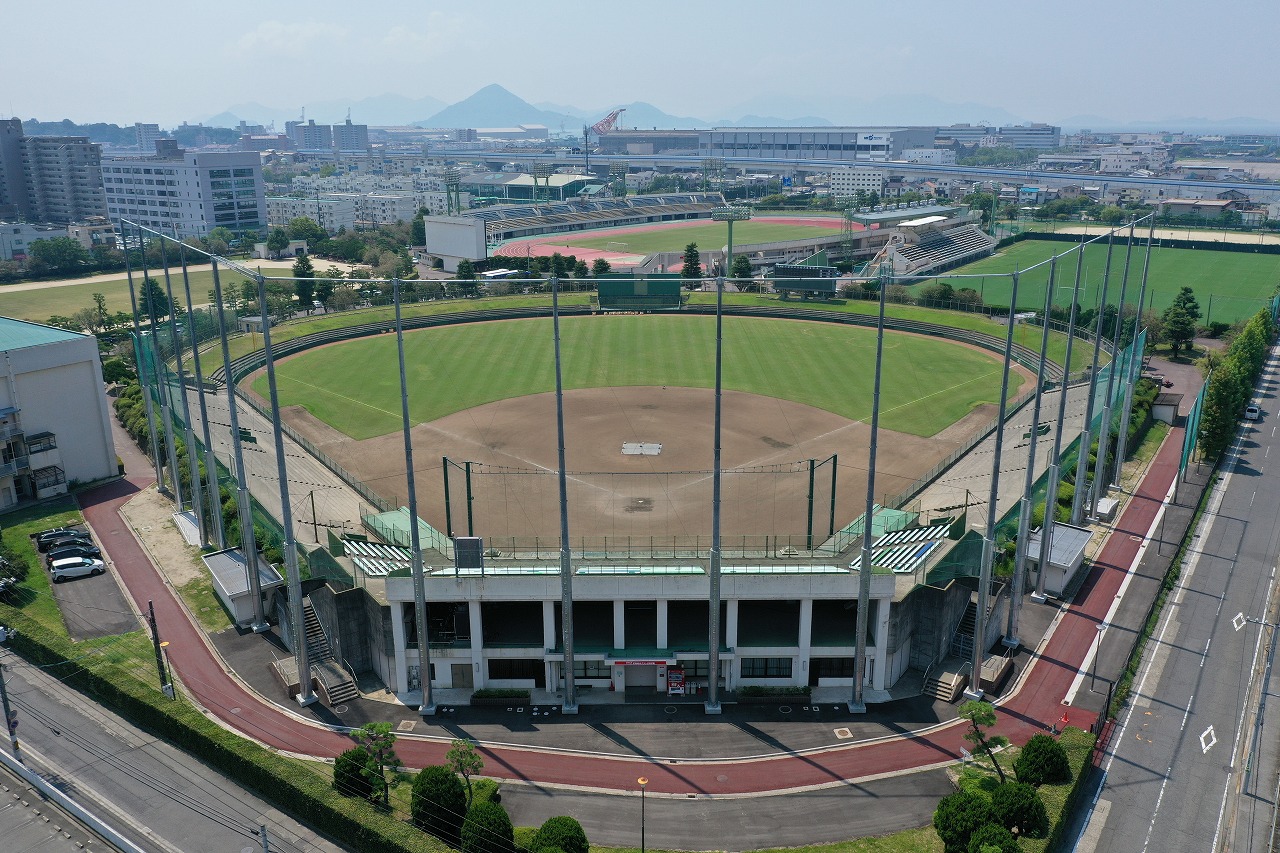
1037, 705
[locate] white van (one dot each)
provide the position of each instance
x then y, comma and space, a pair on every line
76, 567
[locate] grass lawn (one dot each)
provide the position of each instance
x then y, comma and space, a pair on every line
41, 304
1229, 285
710, 236
929, 383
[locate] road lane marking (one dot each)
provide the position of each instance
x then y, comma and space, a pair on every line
1205, 655
1207, 737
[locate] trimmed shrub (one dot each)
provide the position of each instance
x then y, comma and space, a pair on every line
1018, 806
1042, 760
350, 774
563, 833
487, 829
993, 837
958, 816
439, 802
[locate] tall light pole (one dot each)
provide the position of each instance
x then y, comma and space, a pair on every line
642, 782
730, 215
570, 705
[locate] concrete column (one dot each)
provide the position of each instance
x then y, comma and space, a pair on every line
881, 668
662, 623
804, 641
619, 624
731, 624
549, 624
479, 676
401, 673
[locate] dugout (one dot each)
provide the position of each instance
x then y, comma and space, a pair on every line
640, 294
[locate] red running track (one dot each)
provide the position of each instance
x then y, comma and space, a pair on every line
1037, 705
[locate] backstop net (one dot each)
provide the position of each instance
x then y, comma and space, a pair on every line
766, 510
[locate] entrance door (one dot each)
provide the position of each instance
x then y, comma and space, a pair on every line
642, 676
461, 674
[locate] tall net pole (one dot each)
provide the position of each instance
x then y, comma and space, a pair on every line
566, 556
158, 371
713, 606
1028, 485
858, 704
244, 506
1117, 364
1135, 363
144, 370
1051, 488
193, 457
1086, 435
989, 537
300, 651
210, 463
428, 706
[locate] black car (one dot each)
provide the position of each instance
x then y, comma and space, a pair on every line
67, 540
44, 537
69, 551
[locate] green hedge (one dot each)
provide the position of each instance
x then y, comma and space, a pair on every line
501, 693
305, 796
761, 692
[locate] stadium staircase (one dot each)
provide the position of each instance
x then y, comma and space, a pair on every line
337, 683
962, 640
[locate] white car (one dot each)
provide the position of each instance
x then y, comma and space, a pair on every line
1252, 413
76, 567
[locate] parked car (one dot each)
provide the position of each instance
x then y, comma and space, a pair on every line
66, 541
44, 537
76, 567
1252, 413
70, 551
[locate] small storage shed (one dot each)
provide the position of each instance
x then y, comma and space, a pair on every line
1066, 556
231, 582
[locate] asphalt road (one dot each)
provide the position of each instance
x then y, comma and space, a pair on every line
1187, 768
159, 797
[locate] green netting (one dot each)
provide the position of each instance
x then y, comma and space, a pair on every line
393, 527
1192, 434
962, 561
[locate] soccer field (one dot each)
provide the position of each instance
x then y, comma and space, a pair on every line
710, 236
1229, 285
355, 388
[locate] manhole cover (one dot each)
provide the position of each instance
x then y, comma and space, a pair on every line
406, 726
235, 710
722, 778
844, 734
670, 709
341, 709
784, 709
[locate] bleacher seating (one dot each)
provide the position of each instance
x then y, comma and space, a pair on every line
509, 221
938, 250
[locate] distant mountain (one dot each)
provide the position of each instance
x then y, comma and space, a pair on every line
109, 134
645, 116
494, 106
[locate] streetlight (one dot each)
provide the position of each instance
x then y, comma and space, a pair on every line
642, 781
730, 215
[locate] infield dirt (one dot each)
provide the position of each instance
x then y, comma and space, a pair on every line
515, 490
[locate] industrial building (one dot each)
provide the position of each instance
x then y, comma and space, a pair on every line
814, 143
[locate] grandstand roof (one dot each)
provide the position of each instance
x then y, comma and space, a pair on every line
924, 220
892, 216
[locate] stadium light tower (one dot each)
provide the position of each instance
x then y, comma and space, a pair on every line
730, 215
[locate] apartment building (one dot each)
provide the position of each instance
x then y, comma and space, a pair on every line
189, 194
48, 178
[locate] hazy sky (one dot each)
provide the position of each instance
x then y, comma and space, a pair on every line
137, 60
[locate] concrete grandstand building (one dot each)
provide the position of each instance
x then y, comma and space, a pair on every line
54, 425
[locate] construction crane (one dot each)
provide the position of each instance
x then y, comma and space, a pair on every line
605, 125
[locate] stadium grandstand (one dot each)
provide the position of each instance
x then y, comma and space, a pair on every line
509, 222
928, 247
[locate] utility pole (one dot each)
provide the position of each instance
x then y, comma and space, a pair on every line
165, 686
10, 716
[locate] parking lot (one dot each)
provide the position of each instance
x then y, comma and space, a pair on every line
92, 606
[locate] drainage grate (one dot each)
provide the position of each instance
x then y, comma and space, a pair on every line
843, 734
406, 726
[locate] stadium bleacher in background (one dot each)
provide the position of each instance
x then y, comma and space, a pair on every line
509, 222
929, 249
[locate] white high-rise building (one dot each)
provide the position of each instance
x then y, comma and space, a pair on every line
847, 182
190, 195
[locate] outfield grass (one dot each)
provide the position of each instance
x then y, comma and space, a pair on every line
710, 236
929, 383
1229, 285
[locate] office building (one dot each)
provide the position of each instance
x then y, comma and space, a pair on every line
189, 194
849, 182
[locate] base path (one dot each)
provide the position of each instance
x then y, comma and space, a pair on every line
1033, 708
